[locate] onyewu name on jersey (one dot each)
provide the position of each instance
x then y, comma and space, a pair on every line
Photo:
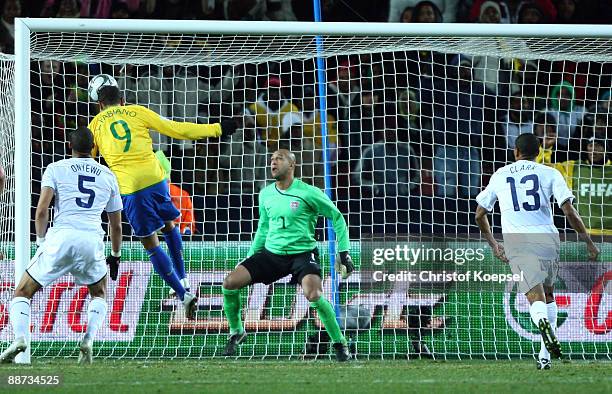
596, 189
515, 169
116, 111
86, 168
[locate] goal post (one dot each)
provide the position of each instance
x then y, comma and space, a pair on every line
385, 186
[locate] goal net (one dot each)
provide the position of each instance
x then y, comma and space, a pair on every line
416, 123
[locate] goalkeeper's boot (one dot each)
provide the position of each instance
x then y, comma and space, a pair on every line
342, 352
86, 350
544, 363
185, 284
19, 345
550, 340
190, 303
232, 343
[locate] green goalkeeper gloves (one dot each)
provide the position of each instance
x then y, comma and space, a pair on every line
345, 265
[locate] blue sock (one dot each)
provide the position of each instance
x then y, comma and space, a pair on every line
175, 246
163, 267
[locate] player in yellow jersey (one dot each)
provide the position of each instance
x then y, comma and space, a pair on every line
121, 136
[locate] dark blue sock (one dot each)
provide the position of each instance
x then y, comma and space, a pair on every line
163, 267
175, 246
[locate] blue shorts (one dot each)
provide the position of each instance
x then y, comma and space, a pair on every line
148, 209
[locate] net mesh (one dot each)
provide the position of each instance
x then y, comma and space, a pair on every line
416, 127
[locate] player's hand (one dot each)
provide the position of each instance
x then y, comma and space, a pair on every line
113, 266
593, 251
228, 126
499, 252
345, 265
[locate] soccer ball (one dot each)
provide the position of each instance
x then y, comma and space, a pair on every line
97, 82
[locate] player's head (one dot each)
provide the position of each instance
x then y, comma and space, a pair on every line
81, 142
527, 147
109, 96
282, 164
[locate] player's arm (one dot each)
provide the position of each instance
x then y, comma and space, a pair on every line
113, 210
41, 220
482, 219
564, 197
486, 201
186, 130
262, 229
327, 208
574, 219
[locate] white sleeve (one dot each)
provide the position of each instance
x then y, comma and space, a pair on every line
114, 203
487, 197
48, 178
560, 190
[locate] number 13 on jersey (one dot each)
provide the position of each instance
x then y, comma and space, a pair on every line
531, 192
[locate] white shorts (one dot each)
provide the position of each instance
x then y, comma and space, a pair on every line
534, 271
69, 251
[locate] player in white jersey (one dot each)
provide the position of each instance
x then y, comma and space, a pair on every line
83, 189
531, 240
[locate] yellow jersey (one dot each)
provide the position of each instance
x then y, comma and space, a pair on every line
121, 136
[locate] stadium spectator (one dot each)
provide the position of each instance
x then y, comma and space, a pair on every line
312, 123
103, 9
388, 168
242, 163
48, 96
487, 11
342, 90
437, 9
365, 119
567, 114
268, 111
426, 12
590, 179
406, 15
596, 125
536, 11
259, 10
2, 184
10, 11
180, 199
457, 134
517, 120
412, 125
567, 11
544, 127
65, 9
279, 10
604, 104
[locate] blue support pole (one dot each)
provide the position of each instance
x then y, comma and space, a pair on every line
322, 87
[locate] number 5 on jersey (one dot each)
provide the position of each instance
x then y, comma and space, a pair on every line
89, 192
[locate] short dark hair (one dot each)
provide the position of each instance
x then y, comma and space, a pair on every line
82, 140
528, 145
109, 95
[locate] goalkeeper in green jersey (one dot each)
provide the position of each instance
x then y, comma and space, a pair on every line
284, 244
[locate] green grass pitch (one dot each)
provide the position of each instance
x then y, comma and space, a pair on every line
380, 377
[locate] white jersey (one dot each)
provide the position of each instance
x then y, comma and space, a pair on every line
83, 189
524, 190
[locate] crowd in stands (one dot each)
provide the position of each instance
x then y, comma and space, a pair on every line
412, 135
